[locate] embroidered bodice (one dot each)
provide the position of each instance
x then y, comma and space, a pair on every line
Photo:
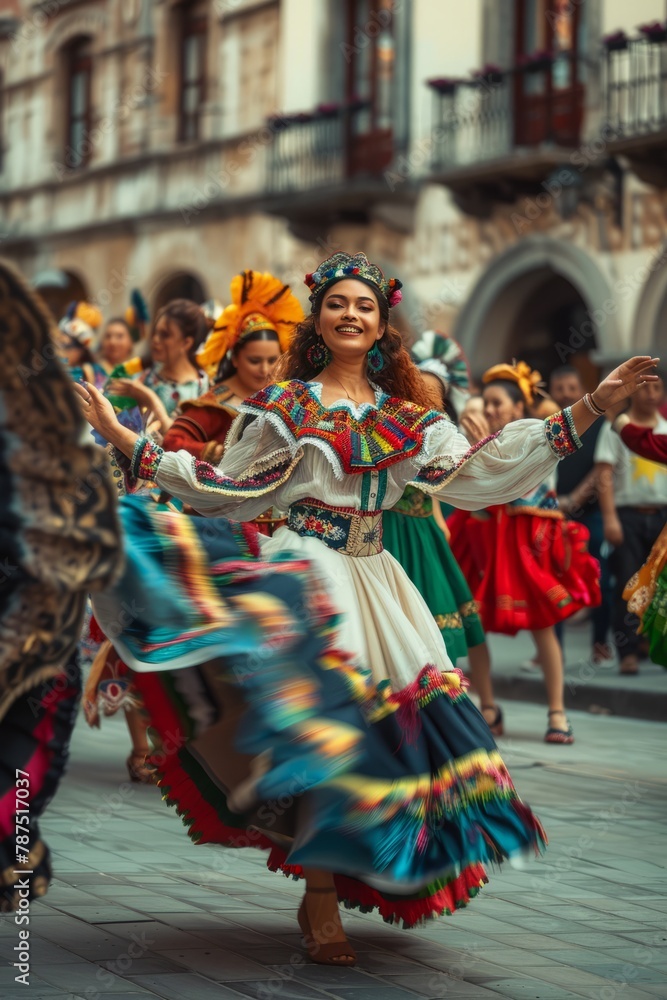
286, 446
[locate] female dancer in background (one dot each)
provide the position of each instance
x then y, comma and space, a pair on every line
241, 352
537, 570
399, 794
174, 375
415, 533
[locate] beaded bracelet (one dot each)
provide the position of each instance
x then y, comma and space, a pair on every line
592, 406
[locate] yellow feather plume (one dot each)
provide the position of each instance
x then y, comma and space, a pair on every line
253, 295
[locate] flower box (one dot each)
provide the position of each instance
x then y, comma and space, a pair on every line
488, 74
443, 84
616, 42
536, 62
654, 31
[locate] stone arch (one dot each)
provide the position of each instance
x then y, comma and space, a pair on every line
562, 280
649, 329
179, 284
57, 288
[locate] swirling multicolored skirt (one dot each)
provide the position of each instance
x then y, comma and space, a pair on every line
271, 736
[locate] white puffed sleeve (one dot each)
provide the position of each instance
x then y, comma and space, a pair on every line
256, 464
498, 469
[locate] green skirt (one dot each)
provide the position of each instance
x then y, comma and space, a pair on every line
420, 546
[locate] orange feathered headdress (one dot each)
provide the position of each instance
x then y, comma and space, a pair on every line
528, 380
259, 302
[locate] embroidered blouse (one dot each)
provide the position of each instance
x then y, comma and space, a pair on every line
285, 446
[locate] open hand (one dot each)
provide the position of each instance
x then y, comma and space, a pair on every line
625, 380
97, 409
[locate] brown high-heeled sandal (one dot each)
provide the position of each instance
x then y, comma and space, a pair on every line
336, 952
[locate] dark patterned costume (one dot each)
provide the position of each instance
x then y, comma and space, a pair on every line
58, 539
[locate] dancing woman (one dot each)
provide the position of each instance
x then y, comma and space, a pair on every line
174, 375
241, 352
401, 795
552, 575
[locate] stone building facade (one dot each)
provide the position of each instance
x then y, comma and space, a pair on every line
521, 195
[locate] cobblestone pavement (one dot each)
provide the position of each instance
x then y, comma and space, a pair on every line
138, 911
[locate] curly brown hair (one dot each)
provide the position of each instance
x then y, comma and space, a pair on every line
399, 377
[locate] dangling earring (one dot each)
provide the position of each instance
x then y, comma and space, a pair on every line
375, 359
318, 355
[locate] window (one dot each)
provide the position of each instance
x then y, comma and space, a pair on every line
79, 74
370, 85
193, 71
550, 39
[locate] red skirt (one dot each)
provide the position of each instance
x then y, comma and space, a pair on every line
538, 572
469, 542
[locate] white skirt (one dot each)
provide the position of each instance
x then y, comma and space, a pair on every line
387, 626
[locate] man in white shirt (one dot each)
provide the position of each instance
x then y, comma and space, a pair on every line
633, 500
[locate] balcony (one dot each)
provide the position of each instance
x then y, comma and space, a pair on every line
635, 95
328, 166
502, 133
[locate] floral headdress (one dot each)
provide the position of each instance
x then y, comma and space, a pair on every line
259, 302
443, 356
344, 265
80, 322
529, 381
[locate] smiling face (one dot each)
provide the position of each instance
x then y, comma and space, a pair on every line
254, 362
499, 408
117, 344
349, 320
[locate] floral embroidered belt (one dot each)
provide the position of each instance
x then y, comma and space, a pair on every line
349, 531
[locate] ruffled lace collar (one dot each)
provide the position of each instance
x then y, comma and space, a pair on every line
355, 408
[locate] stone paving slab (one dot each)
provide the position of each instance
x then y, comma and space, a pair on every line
581, 920
589, 687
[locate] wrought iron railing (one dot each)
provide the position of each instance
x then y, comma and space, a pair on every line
307, 151
472, 121
499, 111
635, 86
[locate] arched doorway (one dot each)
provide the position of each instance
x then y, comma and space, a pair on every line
649, 332
58, 288
544, 302
182, 285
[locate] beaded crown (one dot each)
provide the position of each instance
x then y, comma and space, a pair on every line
344, 265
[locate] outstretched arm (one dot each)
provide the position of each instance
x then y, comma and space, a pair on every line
642, 440
520, 457
257, 464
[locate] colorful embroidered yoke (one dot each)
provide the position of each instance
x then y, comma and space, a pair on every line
375, 439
